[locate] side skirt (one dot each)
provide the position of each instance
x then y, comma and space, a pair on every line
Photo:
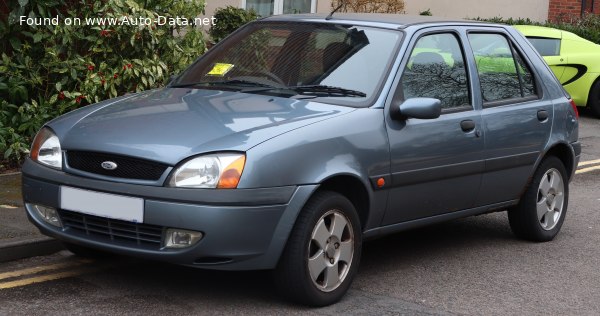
394, 228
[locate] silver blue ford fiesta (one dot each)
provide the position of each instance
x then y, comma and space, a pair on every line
298, 137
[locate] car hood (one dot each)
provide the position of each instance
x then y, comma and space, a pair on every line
171, 124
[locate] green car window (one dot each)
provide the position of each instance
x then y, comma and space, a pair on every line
546, 46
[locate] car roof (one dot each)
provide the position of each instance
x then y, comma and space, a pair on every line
539, 31
374, 19
548, 32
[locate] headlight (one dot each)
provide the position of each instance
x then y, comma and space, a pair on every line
221, 171
46, 149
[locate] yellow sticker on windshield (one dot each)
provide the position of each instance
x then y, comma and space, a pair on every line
220, 69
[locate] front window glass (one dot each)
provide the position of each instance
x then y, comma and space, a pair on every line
436, 69
341, 64
546, 46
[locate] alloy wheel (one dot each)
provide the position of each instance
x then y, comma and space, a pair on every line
330, 250
550, 199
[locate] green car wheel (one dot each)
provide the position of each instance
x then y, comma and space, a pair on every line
594, 100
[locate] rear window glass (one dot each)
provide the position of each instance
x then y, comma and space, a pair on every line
546, 46
502, 72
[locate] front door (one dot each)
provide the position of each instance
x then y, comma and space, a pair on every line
436, 164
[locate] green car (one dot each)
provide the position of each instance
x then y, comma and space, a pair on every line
574, 60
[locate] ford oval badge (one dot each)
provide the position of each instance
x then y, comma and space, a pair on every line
109, 165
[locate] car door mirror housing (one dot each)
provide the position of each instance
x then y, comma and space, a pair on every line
419, 108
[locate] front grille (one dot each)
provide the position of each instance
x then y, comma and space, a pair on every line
111, 230
127, 167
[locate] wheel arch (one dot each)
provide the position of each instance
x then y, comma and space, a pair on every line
353, 189
563, 152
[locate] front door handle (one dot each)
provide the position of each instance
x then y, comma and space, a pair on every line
542, 115
467, 125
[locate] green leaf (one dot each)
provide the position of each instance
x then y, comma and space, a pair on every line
15, 43
8, 152
24, 126
58, 86
37, 37
145, 81
73, 74
23, 2
41, 10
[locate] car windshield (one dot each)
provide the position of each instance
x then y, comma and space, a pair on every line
339, 64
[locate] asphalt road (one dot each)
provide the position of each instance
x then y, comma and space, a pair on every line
471, 266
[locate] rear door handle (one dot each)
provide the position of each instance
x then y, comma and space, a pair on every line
542, 115
467, 125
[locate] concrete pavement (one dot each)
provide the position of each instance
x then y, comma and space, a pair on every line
18, 237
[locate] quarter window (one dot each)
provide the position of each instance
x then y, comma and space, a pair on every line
436, 69
502, 72
546, 46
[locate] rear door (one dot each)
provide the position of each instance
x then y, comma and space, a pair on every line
517, 120
436, 164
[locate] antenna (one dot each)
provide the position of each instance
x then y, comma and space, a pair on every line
330, 16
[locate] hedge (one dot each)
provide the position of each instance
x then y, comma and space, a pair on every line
587, 27
47, 70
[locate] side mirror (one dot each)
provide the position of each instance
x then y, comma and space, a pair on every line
419, 108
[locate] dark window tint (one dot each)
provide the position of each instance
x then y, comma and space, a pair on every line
502, 75
436, 69
546, 46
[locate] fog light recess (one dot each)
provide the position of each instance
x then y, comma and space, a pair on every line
48, 214
179, 238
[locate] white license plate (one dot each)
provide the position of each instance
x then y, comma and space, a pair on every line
102, 204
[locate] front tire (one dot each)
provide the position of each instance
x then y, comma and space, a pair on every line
322, 253
542, 209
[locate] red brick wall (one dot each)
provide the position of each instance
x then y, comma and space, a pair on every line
567, 10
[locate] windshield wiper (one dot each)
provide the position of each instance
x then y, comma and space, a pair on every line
224, 82
315, 90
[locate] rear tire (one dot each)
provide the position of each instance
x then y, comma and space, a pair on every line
542, 209
594, 99
322, 253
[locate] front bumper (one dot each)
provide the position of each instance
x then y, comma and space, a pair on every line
244, 229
